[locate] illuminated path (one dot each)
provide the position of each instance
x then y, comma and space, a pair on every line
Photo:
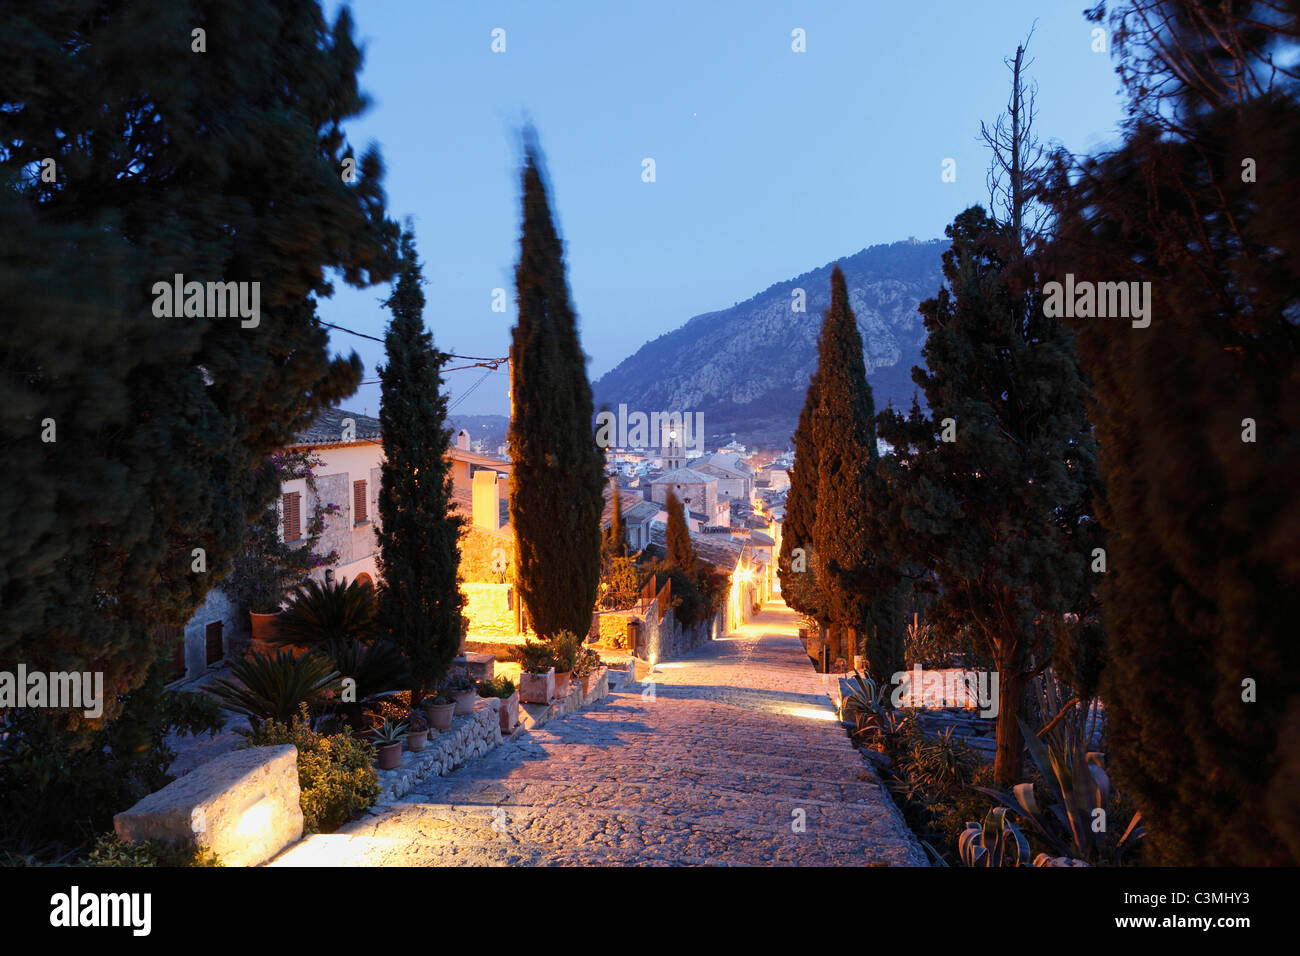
737, 746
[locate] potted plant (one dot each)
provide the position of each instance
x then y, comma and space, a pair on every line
461, 690
438, 711
536, 672
503, 688
586, 668
388, 744
565, 644
417, 732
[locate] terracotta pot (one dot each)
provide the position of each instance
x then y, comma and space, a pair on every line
509, 712
416, 740
537, 688
465, 701
589, 682
390, 756
562, 683
439, 715
263, 632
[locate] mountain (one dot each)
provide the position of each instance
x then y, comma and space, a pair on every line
747, 367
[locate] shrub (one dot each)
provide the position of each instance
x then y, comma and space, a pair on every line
110, 851
619, 588
274, 687
534, 657
330, 612
501, 687
336, 774
565, 646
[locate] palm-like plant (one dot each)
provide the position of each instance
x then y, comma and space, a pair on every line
328, 613
273, 688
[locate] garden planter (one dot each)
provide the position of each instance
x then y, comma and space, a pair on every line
263, 631
439, 715
589, 683
537, 688
390, 756
509, 712
465, 701
562, 683
416, 740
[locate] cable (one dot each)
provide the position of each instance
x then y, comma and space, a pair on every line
468, 358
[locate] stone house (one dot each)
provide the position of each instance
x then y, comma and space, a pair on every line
696, 491
734, 477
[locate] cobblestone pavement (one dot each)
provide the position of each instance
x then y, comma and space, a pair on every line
732, 756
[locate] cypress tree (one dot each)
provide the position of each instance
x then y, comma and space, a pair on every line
845, 437
992, 492
557, 482
1199, 595
616, 535
136, 443
796, 563
681, 553
419, 555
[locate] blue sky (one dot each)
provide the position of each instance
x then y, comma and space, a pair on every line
768, 162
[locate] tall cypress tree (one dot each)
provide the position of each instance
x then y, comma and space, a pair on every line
845, 437
557, 482
136, 441
796, 564
419, 535
1199, 596
993, 491
681, 553
615, 544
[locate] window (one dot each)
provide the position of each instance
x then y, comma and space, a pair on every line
358, 502
213, 640
292, 516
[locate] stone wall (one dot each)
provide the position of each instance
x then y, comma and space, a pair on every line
611, 627
471, 735
488, 610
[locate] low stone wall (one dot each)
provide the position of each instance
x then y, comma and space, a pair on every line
470, 735
611, 627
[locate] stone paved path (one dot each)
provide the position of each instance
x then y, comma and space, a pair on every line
736, 744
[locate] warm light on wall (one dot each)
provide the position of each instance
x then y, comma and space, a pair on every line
255, 821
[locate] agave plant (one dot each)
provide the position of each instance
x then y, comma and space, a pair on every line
1077, 780
389, 733
866, 707
942, 761
328, 613
272, 688
998, 842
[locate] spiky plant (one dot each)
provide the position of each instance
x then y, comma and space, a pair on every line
273, 687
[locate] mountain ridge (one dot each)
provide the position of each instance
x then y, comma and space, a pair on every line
747, 367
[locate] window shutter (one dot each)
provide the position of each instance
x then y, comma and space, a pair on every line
292, 517
358, 502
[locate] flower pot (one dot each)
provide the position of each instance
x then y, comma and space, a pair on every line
416, 740
263, 631
439, 715
589, 683
390, 756
562, 683
509, 712
537, 688
465, 701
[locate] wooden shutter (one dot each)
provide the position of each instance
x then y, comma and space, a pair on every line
358, 502
292, 516
213, 638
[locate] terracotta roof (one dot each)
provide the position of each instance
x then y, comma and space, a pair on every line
721, 550
327, 429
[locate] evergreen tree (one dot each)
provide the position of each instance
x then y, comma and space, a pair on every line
557, 482
857, 583
681, 553
1202, 698
615, 545
419, 535
993, 492
796, 564
136, 443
